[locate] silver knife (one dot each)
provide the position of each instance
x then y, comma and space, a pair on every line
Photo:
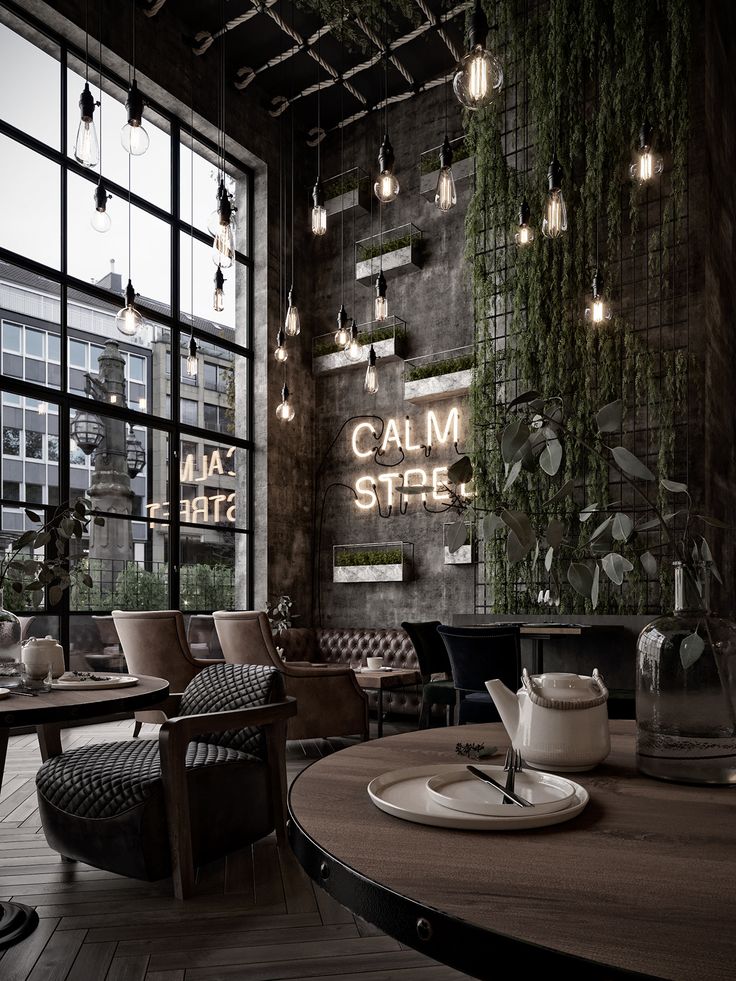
508, 794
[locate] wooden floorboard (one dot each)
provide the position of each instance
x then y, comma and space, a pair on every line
255, 916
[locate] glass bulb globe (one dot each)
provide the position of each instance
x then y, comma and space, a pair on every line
354, 349
86, 145
100, 221
598, 311
478, 78
525, 235
128, 320
135, 139
285, 411
281, 354
646, 165
386, 187
555, 215
445, 196
342, 337
370, 385
380, 308
218, 302
192, 365
292, 324
319, 220
223, 243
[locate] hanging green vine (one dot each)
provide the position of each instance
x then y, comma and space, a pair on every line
592, 72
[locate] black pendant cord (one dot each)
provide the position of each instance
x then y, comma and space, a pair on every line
319, 111
447, 77
86, 41
132, 21
99, 46
291, 110
557, 72
342, 165
191, 199
130, 221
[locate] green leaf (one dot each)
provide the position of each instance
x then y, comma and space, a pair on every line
713, 522
512, 475
580, 578
78, 528
42, 538
518, 522
88, 581
691, 648
523, 398
588, 511
622, 527
17, 587
615, 567
491, 524
25, 539
551, 456
461, 472
516, 550
674, 487
513, 438
610, 418
631, 465
55, 594
602, 527
457, 536
649, 563
548, 558
32, 516
555, 532
596, 586
565, 491
80, 509
648, 525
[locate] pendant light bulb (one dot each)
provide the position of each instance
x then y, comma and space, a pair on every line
599, 310
100, 219
370, 385
646, 164
128, 320
386, 187
292, 325
555, 209
221, 224
281, 354
445, 196
319, 212
218, 302
133, 135
285, 410
86, 145
354, 348
342, 334
380, 308
479, 76
525, 233
192, 360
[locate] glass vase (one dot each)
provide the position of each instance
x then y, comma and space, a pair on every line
10, 638
686, 691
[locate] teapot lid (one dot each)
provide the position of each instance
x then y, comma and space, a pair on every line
561, 690
42, 640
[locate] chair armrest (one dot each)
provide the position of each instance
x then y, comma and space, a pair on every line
303, 670
184, 727
170, 705
206, 662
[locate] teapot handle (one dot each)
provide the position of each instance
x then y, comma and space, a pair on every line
564, 706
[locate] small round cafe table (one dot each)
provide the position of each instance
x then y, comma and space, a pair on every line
641, 884
48, 712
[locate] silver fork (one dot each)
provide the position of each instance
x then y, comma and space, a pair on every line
509, 765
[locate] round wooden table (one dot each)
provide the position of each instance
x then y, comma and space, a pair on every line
641, 884
48, 711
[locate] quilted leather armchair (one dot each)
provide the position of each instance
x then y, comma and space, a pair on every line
330, 700
213, 781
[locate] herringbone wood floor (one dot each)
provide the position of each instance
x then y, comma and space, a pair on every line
255, 917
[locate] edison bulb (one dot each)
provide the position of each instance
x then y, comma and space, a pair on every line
192, 365
370, 385
135, 139
380, 311
386, 187
285, 410
86, 145
646, 166
342, 334
445, 196
555, 215
525, 235
128, 320
599, 310
354, 349
100, 220
218, 300
478, 78
281, 354
319, 220
292, 324
223, 243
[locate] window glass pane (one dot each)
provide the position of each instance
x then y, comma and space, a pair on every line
214, 483
30, 451
213, 569
12, 338
221, 388
150, 172
94, 643
11, 441
90, 252
34, 107
30, 202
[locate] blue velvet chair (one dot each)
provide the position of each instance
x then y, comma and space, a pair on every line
433, 660
478, 654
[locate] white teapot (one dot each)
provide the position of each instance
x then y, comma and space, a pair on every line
556, 721
37, 653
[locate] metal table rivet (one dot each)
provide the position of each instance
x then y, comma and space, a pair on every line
324, 871
424, 929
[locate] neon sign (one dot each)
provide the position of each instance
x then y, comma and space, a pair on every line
206, 508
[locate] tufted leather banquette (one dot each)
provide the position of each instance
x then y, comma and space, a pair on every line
351, 646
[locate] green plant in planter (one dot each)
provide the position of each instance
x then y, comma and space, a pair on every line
388, 556
343, 184
429, 160
366, 252
446, 366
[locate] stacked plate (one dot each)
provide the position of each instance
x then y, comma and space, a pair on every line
451, 797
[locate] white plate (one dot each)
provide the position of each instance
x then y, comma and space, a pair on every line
403, 793
464, 792
4, 692
111, 681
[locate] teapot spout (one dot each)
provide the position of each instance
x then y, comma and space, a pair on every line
507, 704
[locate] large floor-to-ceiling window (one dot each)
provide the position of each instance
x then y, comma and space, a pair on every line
88, 411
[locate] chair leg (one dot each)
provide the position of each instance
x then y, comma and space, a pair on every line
424, 714
276, 747
137, 728
451, 715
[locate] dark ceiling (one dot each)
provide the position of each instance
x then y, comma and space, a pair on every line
284, 54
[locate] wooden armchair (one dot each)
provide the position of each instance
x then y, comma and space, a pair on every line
331, 702
214, 781
155, 643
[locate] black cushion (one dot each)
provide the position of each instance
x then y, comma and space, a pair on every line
430, 650
439, 693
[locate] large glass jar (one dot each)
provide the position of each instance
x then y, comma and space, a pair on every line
10, 637
686, 691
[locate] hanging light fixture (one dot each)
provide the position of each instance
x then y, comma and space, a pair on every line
293, 324
386, 187
87, 431
129, 320
646, 164
218, 302
86, 145
281, 354
525, 232
319, 212
221, 225
479, 76
100, 220
370, 385
380, 307
135, 455
554, 222
599, 309
354, 348
342, 334
285, 410
133, 135
445, 196
192, 359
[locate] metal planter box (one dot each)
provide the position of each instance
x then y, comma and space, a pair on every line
388, 349
463, 555
358, 197
380, 572
460, 170
438, 386
398, 260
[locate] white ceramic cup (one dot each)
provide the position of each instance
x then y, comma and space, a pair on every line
374, 663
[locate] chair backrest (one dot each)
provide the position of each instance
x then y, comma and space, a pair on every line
245, 637
106, 629
202, 636
479, 654
155, 643
430, 649
226, 687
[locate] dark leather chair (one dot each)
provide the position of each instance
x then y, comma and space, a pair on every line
213, 781
433, 660
478, 654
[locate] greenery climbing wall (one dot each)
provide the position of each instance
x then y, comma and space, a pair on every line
581, 76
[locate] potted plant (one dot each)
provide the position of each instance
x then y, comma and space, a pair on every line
381, 562
349, 190
393, 251
388, 340
439, 376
